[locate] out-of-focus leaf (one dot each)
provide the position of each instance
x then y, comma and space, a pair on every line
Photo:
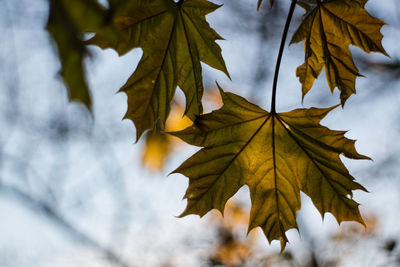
351, 232
259, 3
68, 19
158, 145
276, 156
174, 37
390, 245
156, 150
232, 250
176, 120
328, 28
232, 254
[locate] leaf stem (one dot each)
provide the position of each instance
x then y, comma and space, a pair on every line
278, 61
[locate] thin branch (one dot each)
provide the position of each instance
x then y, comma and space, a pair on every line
62, 223
278, 61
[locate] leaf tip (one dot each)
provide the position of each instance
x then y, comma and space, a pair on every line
172, 172
259, 4
183, 214
361, 221
332, 108
138, 135
249, 228
366, 158
283, 241
221, 91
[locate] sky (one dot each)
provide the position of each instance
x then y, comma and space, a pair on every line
96, 172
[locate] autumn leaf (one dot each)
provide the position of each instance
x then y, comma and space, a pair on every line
156, 150
158, 145
68, 19
276, 156
328, 28
176, 120
259, 3
232, 250
174, 37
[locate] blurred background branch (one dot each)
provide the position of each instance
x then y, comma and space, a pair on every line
85, 176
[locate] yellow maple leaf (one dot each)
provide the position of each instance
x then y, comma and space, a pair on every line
328, 28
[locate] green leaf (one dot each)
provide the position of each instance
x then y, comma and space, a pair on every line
328, 29
276, 156
68, 19
174, 37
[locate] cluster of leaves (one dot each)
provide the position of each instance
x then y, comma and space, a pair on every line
276, 155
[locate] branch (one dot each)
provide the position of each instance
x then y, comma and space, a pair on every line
278, 61
62, 223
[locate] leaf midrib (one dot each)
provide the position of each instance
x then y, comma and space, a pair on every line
312, 160
157, 79
278, 211
236, 155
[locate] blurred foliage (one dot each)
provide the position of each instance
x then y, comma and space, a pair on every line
387, 68
68, 20
157, 149
158, 145
49, 185
231, 250
349, 241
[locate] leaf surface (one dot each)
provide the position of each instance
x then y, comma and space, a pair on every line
174, 37
276, 156
259, 3
68, 19
328, 28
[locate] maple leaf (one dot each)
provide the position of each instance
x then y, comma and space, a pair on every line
67, 21
276, 156
328, 29
259, 3
174, 37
